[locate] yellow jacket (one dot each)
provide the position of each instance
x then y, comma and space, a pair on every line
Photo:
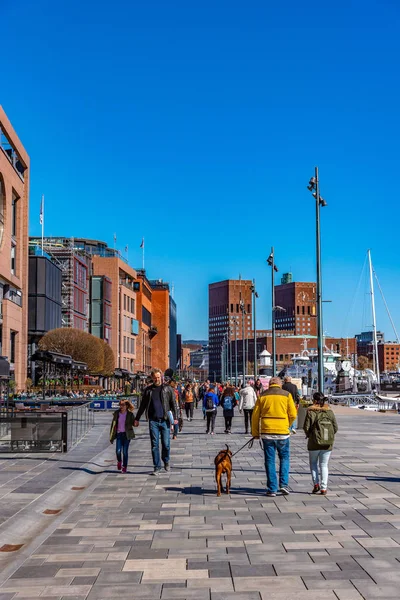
273, 413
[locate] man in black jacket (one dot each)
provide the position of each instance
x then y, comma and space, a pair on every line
157, 400
292, 389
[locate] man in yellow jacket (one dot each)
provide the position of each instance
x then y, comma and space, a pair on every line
273, 415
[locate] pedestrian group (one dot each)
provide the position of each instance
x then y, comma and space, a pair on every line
269, 414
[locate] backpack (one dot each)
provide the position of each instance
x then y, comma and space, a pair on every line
323, 432
209, 403
228, 403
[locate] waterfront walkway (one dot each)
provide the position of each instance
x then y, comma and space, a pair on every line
170, 537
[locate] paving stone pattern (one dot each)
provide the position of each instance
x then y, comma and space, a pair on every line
170, 537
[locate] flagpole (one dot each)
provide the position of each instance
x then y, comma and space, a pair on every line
143, 254
42, 222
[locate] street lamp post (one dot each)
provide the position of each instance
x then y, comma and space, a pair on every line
274, 269
243, 309
313, 186
236, 353
255, 295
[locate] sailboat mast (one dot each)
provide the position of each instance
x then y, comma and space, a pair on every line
375, 338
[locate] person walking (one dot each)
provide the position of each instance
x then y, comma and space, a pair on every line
157, 400
172, 383
273, 414
258, 387
320, 427
122, 431
188, 398
247, 402
290, 387
210, 403
228, 403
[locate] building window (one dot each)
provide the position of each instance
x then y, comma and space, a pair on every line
13, 338
13, 259
14, 210
2, 209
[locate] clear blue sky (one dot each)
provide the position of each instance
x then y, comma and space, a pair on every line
198, 124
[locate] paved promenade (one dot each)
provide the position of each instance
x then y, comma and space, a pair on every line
170, 537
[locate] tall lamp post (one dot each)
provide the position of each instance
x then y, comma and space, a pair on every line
313, 186
243, 310
235, 321
274, 269
255, 295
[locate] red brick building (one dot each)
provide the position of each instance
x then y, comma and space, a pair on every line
14, 224
226, 319
299, 303
388, 356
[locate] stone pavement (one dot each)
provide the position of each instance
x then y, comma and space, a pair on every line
170, 537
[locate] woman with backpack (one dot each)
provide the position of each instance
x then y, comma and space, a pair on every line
320, 427
210, 403
228, 403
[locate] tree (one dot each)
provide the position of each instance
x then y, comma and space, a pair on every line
362, 363
109, 360
81, 346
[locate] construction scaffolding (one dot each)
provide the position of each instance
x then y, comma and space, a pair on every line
75, 265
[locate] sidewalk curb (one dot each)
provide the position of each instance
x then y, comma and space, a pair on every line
31, 527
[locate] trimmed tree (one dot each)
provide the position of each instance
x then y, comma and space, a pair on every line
362, 363
109, 360
81, 346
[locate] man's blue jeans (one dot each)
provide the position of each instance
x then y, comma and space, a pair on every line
270, 449
122, 448
159, 429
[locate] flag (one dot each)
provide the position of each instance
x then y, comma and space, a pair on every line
142, 244
41, 211
126, 248
115, 238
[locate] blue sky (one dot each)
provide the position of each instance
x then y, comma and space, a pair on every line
198, 125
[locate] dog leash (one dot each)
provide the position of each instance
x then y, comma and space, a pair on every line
249, 444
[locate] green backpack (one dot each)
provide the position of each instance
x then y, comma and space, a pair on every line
323, 431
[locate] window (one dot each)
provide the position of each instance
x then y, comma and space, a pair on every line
13, 260
2, 209
14, 214
124, 301
13, 337
133, 306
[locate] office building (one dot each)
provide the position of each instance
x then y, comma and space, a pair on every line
75, 265
44, 303
164, 344
388, 356
14, 225
147, 330
296, 307
229, 318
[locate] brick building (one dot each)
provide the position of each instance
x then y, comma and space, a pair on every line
299, 303
124, 324
388, 356
164, 344
14, 224
147, 330
287, 346
226, 320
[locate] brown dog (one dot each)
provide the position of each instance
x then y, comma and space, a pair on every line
223, 464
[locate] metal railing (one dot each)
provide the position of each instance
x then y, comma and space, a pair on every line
44, 430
